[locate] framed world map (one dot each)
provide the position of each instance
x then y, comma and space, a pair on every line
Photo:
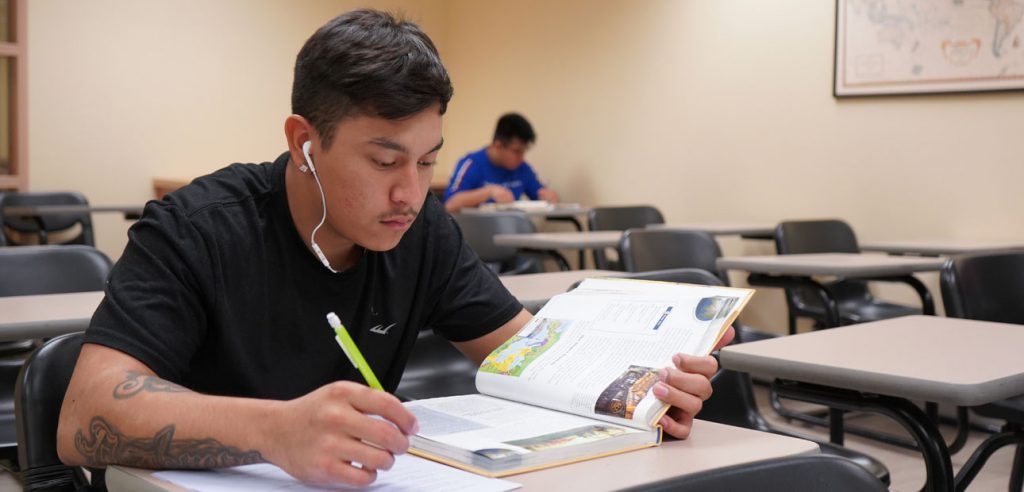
887, 47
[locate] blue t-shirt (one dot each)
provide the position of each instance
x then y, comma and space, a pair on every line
476, 170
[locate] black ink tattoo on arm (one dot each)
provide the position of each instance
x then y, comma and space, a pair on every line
136, 383
105, 445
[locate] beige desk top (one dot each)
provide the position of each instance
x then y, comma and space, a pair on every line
945, 360
942, 247
535, 289
839, 264
70, 209
560, 240
47, 315
721, 229
710, 446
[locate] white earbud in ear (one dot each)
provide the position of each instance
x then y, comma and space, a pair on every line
309, 161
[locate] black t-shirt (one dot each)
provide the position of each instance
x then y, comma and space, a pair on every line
217, 291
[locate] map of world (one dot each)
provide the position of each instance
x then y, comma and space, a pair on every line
902, 46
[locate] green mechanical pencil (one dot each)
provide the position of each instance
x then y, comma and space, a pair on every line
352, 352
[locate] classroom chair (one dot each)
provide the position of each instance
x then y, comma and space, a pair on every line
661, 249
988, 287
44, 225
32, 270
478, 230
39, 395
802, 473
855, 301
619, 219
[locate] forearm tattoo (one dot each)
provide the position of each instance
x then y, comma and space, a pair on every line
136, 383
105, 445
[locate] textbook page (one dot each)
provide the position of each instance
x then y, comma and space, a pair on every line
409, 473
494, 427
596, 351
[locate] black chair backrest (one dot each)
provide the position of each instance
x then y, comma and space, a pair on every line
436, 368
479, 228
801, 473
44, 225
661, 249
985, 287
622, 218
619, 219
819, 236
52, 269
815, 236
39, 394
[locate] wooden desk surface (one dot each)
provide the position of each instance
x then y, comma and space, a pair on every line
945, 360
721, 229
710, 446
839, 264
44, 316
942, 247
560, 240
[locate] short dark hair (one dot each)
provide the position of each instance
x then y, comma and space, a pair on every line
367, 62
513, 125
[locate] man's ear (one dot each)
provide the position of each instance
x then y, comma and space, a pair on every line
297, 131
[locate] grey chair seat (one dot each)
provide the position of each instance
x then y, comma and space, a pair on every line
857, 311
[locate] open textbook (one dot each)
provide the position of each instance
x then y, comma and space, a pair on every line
575, 383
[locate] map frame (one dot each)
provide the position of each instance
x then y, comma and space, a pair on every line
849, 53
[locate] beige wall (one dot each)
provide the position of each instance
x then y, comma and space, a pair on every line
709, 109
122, 91
722, 110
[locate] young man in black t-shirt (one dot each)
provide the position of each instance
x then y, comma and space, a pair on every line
211, 348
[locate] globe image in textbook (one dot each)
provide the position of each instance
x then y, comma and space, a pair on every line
708, 308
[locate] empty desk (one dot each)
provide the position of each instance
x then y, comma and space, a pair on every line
791, 271
941, 247
551, 242
750, 231
47, 315
879, 366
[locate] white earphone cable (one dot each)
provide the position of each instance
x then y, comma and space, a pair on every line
323, 217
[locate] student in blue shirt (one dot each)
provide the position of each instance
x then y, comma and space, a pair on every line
498, 173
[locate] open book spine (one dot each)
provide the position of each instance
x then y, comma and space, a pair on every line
516, 471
